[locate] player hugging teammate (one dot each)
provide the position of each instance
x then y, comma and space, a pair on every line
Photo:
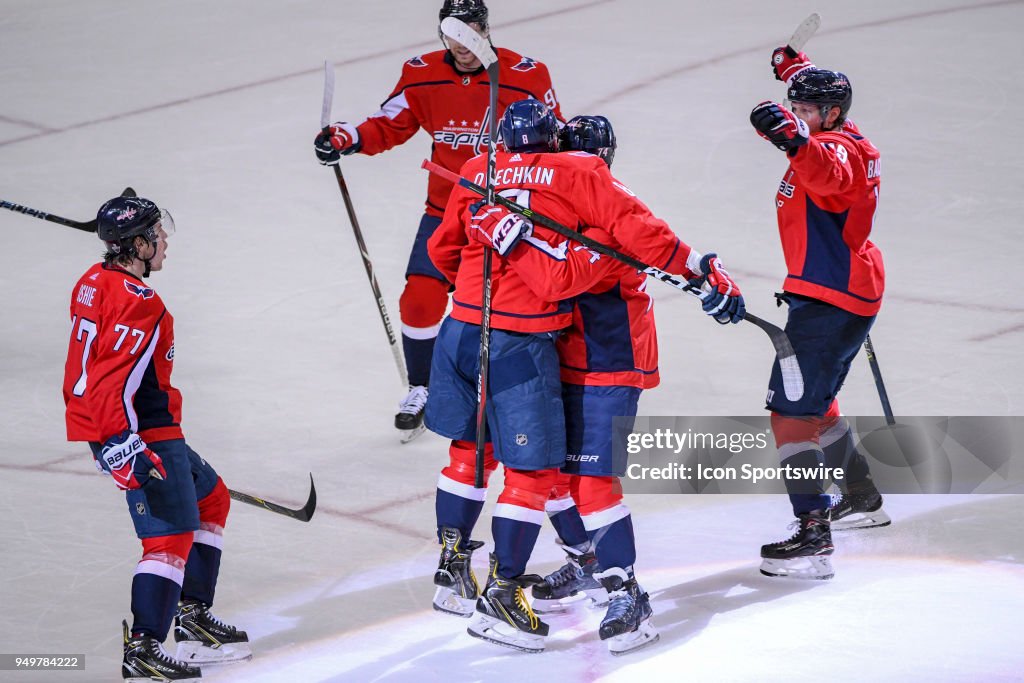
552, 397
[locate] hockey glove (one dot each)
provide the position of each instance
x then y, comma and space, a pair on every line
497, 227
779, 126
723, 302
334, 141
787, 63
129, 461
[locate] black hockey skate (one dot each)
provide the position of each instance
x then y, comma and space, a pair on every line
409, 420
573, 578
627, 623
204, 639
860, 508
145, 660
804, 555
504, 617
457, 587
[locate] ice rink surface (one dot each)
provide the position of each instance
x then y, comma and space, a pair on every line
210, 109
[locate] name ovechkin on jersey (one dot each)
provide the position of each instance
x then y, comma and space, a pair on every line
516, 175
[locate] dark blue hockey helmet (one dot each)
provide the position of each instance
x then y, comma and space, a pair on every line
825, 88
122, 219
529, 126
592, 134
468, 11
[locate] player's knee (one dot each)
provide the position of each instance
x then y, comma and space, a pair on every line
462, 462
171, 550
423, 301
213, 509
795, 429
593, 494
528, 488
561, 488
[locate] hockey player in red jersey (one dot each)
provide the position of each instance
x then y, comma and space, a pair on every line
446, 94
826, 207
120, 400
525, 413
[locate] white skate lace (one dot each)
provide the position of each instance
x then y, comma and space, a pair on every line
157, 652
208, 615
414, 401
795, 524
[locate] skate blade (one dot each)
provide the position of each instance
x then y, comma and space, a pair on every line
195, 653
447, 602
818, 568
591, 598
150, 679
862, 520
407, 435
498, 632
644, 635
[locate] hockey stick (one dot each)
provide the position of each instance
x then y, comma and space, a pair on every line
460, 32
883, 395
325, 119
303, 514
85, 226
807, 28
792, 378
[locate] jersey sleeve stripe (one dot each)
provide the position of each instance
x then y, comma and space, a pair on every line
393, 107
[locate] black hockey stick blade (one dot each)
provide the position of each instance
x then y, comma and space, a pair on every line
84, 226
303, 514
792, 377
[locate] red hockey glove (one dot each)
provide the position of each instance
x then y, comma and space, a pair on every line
334, 141
787, 63
723, 302
497, 227
130, 462
779, 126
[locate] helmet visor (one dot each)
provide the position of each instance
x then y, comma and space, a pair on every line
166, 222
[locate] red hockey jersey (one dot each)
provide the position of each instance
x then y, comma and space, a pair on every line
574, 189
452, 107
826, 206
612, 340
118, 370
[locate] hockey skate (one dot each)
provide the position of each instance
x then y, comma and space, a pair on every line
860, 508
627, 623
457, 587
504, 617
804, 555
573, 578
145, 660
204, 639
409, 420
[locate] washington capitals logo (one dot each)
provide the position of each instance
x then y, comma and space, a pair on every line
126, 215
526, 64
142, 292
416, 61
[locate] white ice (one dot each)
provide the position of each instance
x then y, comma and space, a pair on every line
210, 109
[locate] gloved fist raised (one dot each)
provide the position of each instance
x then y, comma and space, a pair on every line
723, 302
497, 227
129, 461
787, 63
334, 141
779, 126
